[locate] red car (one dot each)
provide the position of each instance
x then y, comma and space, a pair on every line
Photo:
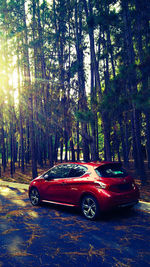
94, 187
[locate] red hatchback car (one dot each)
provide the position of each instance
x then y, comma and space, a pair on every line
94, 187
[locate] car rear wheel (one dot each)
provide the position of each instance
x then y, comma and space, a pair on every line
34, 196
90, 208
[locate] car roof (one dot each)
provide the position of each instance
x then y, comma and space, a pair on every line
94, 164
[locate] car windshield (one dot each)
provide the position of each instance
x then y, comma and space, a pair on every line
111, 170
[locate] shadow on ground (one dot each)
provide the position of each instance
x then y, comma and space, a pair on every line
57, 236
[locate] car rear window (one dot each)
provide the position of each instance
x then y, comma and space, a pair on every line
111, 170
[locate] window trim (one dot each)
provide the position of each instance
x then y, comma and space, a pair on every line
71, 168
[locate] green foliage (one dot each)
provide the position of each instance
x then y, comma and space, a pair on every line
84, 116
142, 100
44, 55
74, 68
116, 101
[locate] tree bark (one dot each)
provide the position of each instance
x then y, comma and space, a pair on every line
3, 149
138, 158
28, 86
81, 76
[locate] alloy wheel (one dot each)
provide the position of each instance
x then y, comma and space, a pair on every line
89, 207
34, 197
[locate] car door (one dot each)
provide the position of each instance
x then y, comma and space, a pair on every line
76, 178
55, 186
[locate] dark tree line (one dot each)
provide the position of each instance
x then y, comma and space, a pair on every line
74, 82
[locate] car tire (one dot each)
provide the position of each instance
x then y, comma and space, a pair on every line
90, 208
34, 196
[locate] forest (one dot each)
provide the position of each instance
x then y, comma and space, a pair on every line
74, 83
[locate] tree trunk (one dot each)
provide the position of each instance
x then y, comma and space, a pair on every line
28, 86
148, 136
72, 150
124, 144
132, 80
142, 25
106, 130
51, 152
56, 148
93, 143
11, 150
78, 145
61, 149
20, 113
3, 149
81, 77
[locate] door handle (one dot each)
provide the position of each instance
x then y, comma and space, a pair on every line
63, 183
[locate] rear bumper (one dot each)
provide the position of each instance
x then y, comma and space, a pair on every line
110, 200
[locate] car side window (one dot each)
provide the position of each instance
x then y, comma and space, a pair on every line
77, 171
60, 171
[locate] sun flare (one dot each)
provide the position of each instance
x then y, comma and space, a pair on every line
13, 82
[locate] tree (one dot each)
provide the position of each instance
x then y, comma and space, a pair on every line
82, 70
132, 84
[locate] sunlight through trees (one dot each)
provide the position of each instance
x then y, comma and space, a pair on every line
74, 82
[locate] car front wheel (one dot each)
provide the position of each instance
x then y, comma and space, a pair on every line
89, 207
34, 196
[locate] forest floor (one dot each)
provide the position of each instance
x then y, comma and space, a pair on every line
26, 178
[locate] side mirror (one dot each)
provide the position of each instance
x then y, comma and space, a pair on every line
46, 177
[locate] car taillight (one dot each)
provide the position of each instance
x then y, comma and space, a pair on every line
100, 185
